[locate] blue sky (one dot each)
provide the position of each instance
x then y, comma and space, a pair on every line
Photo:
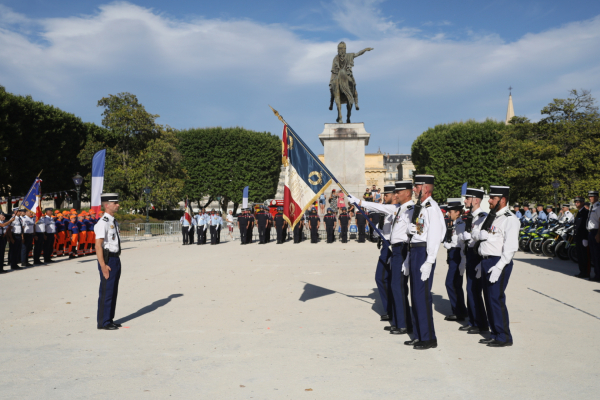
221, 63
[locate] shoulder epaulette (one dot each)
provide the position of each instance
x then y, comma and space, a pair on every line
460, 221
508, 214
427, 205
409, 207
105, 219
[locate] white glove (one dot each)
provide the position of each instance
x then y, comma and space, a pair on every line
585, 243
483, 235
478, 270
494, 274
425, 271
465, 236
462, 266
412, 229
406, 265
447, 245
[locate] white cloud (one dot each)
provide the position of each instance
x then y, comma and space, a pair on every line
224, 72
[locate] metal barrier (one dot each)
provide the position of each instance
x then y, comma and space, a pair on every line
144, 231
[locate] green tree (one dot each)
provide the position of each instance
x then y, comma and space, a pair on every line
220, 162
563, 146
36, 136
139, 153
459, 152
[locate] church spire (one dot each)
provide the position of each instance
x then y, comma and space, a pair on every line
510, 112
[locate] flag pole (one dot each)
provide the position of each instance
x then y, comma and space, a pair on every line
309, 151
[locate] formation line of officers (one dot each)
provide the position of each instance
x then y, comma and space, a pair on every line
481, 251
54, 234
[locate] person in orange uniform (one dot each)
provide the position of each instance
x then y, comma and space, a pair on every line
67, 223
82, 235
59, 240
74, 229
91, 235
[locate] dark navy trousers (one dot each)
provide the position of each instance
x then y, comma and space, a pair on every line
382, 279
594, 253
422, 303
399, 283
14, 251
454, 282
495, 299
39, 246
109, 288
48, 246
475, 304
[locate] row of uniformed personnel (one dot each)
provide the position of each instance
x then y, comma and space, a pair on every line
415, 233
202, 223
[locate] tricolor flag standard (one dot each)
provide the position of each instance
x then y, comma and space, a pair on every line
305, 176
188, 212
32, 201
97, 179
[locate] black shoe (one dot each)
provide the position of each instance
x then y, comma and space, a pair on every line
389, 328
485, 341
49, 261
427, 344
476, 331
16, 267
399, 331
26, 265
116, 324
71, 257
385, 317
465, 328
109, 327
451, 317
411, 342
595, 279
38, 263
497, 343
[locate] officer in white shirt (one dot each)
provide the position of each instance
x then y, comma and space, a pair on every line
394, 230
593, 223
567, 217
457, 261
427, 229
15, 236
28, 233
108, 245
552, 217
50, 228
200, 226
185, 229
498, 244
40, 231
478, 321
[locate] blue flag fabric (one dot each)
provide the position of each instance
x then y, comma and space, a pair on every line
463, 191
31, 200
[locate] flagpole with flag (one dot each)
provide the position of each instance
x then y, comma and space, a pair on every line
188, 211
97, 179
245, 197
306, 178
32, 200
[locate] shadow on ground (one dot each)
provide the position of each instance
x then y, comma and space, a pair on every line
148, 309
551, 264
313, 292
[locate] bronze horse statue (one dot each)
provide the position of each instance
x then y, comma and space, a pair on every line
342, 85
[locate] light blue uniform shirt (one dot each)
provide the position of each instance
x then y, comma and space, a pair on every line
528, 214
519, 215
542, 216
214, 220
184, 222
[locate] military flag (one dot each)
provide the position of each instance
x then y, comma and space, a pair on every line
188, 211
97, 179
32, 200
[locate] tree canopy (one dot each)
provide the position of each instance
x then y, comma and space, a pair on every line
459, 152
220, 162
139, 153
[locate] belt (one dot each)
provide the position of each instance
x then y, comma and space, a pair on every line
423, 244
111, 254
486, 257
398, 244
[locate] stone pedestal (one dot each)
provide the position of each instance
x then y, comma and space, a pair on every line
345, 154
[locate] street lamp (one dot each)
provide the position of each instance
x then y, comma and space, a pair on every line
147, 190
78, 180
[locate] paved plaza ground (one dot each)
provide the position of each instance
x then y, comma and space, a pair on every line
282, 322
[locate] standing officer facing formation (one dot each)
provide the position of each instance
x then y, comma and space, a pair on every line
108, 245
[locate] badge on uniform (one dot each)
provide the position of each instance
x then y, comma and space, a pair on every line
420, 225
112, 227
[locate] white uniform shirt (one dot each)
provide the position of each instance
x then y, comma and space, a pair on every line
108, 229
594, 216
458, 227
40, 226
478, 217
431, 228
50, 224
17, 226
229, 220
28, 224
398, 219
567, 217
552, 216
503, 238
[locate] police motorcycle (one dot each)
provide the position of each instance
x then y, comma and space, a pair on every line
541, 236
529, 234
555, 237
565, 249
